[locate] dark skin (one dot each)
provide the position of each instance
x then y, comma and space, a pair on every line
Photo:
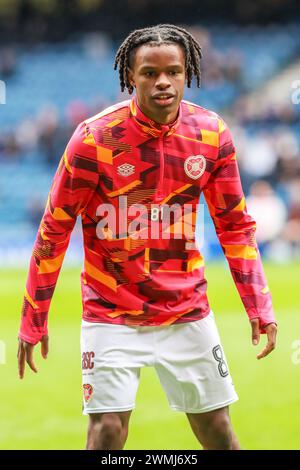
25, 350
25, 354
271, 330
159, 69
155, 70
158, 75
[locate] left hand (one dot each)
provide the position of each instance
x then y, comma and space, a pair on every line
271, 330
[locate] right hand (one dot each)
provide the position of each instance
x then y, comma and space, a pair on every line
25, 354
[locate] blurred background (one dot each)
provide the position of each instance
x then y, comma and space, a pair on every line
56, 69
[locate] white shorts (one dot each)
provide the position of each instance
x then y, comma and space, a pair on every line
187, 357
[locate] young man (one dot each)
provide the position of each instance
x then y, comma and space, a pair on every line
143, 285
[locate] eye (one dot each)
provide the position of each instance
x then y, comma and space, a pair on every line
149, 74
173, 72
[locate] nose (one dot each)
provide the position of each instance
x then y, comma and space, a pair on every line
162, 81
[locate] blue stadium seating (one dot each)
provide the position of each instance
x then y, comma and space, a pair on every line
59, 74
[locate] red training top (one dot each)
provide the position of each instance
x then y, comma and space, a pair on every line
141, 267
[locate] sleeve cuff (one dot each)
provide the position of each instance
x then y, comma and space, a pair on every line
265, 318
30, 339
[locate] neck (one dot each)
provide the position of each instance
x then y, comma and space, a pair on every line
162, 118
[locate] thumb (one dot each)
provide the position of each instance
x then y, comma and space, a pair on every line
255, 331
45, 346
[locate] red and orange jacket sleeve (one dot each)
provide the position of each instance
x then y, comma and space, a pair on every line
235, 229
74, 182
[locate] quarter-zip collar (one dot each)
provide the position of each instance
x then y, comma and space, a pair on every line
149, 126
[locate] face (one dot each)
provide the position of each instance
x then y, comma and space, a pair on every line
158, 74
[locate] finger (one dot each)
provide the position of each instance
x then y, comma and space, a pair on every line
21, 360
29, 357
271, 330
45, 346
267, 350
255, 331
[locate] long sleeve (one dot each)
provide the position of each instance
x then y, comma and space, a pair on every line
73, 185
235, 229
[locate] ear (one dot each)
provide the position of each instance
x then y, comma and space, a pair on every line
130, 77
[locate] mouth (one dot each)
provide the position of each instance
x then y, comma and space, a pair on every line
164, 99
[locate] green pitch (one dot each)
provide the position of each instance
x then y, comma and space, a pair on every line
44, 410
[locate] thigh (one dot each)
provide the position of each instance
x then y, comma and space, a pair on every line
212, 428
108, 430
122, 416
200, 422
110, 375
192, 367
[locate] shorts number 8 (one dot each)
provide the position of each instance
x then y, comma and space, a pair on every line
218, 355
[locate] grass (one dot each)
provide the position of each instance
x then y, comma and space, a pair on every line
44, 410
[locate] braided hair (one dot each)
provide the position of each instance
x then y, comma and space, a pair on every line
157, 35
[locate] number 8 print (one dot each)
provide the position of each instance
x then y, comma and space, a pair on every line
218, 355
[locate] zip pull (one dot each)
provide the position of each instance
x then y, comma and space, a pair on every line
164, 130
160, 194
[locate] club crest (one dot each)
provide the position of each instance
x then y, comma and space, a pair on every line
194, 166
87, 392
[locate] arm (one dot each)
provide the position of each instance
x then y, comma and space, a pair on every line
235, 229
73, 185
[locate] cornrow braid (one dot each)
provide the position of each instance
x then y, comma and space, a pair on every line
157, 35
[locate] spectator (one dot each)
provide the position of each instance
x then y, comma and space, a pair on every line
268, 210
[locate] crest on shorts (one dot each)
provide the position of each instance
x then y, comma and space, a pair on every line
87, 392
194, 166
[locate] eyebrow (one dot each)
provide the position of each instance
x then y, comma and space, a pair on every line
172, 66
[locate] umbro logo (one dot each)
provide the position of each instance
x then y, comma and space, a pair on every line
126, 169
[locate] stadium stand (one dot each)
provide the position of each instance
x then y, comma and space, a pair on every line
52, 87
